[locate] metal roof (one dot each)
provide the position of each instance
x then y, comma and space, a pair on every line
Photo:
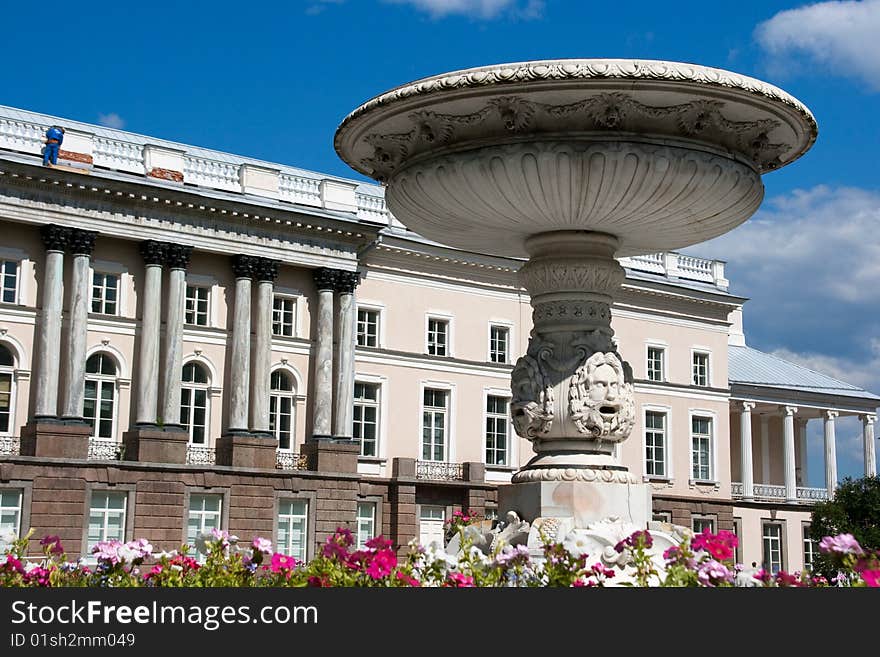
749, 366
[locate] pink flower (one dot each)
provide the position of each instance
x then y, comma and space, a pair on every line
712, 573
263, 545
763, 576
282, 563
381, 564
378, 543
672, 553
406, 579
841, 544
871, 578
52, 545
720, 545
458, 581
638, 538
108, 551
337, 545
788, 579
13, 564
319, 582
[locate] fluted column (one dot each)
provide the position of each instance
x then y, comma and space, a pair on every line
765, 449
868, 436
830, 453
240, 359
49, 334
788, 413
343, 423
745, 439
325, 281
80, 245
177, 259
266, 273
151, 308
801, 426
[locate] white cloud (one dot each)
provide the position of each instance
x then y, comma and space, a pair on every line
111, 120
839, 36
479, 9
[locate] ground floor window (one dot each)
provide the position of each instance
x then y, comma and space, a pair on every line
772, 539
293, 518
107, 517
366, 522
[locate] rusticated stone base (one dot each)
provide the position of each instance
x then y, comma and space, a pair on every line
332, 455
68, 439
154, 444
246, 450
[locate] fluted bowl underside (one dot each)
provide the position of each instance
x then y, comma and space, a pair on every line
651, 196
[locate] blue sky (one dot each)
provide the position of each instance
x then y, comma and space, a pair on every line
273, 79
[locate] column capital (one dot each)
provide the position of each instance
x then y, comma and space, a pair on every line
244, 266
177, 255
153, 252
81, 242
788, 410
266, 269
55, 237
830, 415
347, 281
325, 278
747, 406
868, 418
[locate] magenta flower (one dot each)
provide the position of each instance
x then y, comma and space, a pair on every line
52, 545
788, 579
871, 578
841, 544
711, 573
378, 543
720, 545
381, 564
672, 553
13, 564
337, 545
458, 581
406, 579
282, 563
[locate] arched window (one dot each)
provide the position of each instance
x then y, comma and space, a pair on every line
194, 402
282, 402
99, 409
7, 381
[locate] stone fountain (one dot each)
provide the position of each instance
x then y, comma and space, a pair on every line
571, 164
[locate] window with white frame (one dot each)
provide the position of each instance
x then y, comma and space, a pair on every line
194, 402
438, 337
772, 543
431, 529
655, 444
499, 338
196, 309
204, 514
435, 413
8, 281
107, 512
283, 315
701, 448
99, 407
701, 369
497, 430
7, 389
367, 327
809, 548
293, 523
656, 357
366, 523
282, 405
105, 293
10, 512
662, 516
702, 523
366, 417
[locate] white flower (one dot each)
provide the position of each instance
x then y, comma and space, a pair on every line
576, 544
8, 536
30, 566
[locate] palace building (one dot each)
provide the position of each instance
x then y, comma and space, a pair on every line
191, 339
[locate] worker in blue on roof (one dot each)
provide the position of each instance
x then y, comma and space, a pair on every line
54, 137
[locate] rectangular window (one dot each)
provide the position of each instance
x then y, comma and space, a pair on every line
431, 528
702, 523
809, 549
772, 560
205, 514
10, 513
196, 306
194, 413
293, 517
701, 369
5, 401
701, 448
98, 406
434, 425
105, 293
366, 417
367, 328
283, 315
496, 430
8, 281
438, 336
107, 517
662, 516
655, 444
366, 523
498, 347
655, 363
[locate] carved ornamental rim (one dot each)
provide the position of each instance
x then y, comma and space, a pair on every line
561, 70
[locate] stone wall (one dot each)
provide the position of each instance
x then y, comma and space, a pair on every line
683, 510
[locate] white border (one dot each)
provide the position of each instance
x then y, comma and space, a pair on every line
382, 437
449, 456
713, 446
700, 349
445, 316
378, 307
500, 323
667, 442
512, 455
664, 361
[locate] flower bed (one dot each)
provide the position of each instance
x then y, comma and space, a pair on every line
704, 560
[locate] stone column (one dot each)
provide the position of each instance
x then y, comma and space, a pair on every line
765, 449
55, 239
81, 245
266, 273
745, 438
343, 422
240, 358
177, 259
868, 436
788, 413
325, 281
830, 454
801, 427
151, 309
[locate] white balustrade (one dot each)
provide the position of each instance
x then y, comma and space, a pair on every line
439, 470
118, 155
9, 446
21, 136
104, 449
300, 189
200, 455
372, 208
285, 460
211, 173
